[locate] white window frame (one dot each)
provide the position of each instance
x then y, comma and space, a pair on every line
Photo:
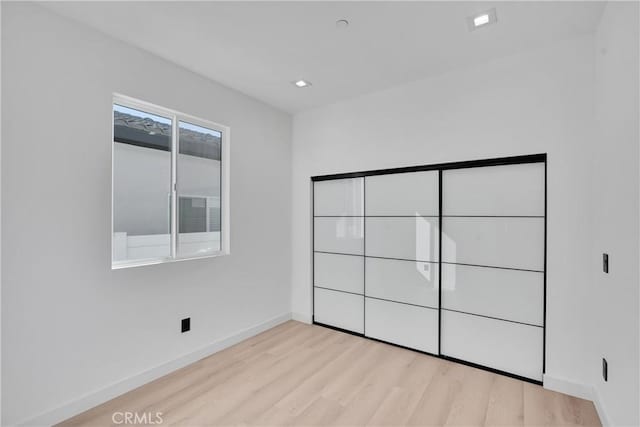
176, 117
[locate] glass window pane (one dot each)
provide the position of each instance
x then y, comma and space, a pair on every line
141, 185
199, 172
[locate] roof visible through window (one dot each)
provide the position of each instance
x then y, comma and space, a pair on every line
148, 130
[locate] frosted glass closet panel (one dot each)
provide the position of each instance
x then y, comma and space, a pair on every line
339, 272
493, 234
339, 235
402, 194
339, 309
402, 249
513, 190
412, 282
506, 346
402, 324
412, 238
499, 242
338, 261
340, 197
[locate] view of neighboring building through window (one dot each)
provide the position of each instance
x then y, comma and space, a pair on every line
149, 156
198, 187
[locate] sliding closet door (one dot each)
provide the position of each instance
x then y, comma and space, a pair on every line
493, 241
401, 259
338, 242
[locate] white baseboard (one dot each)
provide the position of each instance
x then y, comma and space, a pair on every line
563, 385
583, 391
602, 413
304, 318
91, 400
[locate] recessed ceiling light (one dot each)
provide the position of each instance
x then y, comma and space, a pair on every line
302, 83
341, 24
482, 19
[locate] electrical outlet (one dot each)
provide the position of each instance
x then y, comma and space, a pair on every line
186, 324
605, 263
605, 369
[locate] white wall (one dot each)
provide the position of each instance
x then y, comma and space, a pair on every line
534, 102
614, 297
71, 325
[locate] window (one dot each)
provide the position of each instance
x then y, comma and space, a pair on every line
170, 185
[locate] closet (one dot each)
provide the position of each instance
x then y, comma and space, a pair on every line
445, 259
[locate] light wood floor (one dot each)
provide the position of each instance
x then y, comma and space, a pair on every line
297, 374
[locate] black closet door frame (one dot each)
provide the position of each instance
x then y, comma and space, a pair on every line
440, 167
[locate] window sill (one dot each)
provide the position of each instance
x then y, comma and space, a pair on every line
119, 265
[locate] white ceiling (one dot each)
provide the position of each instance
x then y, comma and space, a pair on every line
259, 48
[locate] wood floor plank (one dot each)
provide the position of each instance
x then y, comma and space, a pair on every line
321, 412
506, 403
439, 395
301, 397
393, 408
221, 398
226, 390
297, 374
469, 406
342, 388
403, 399
258, 396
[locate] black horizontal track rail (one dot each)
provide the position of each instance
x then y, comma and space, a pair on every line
501, 161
